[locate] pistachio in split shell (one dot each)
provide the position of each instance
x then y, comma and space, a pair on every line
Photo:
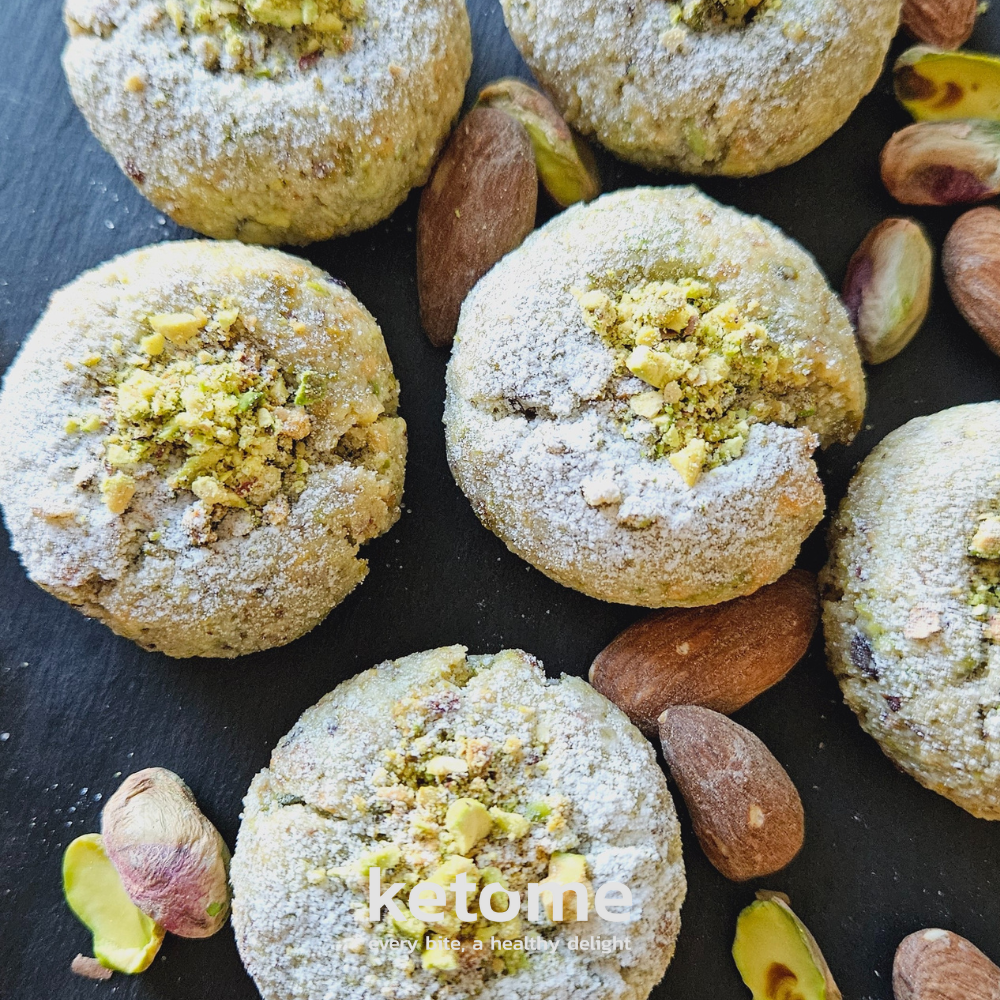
125, 938
971, 264
935, 964
887, 288
945, 24
478, 206
943, 163
565, 163
777, 956
172, 861
934, 85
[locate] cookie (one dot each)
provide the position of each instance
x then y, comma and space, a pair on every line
911, 602
270, 121
441, 764
634, 396
200, 437
732, 87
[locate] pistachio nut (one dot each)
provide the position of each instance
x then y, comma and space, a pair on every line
943, 163
565, 163
934, 85
125, 938
887, 288
172, 861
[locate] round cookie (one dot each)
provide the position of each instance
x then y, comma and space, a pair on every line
199, 438
396, 768
241, 121
911, 603
634, 396
734, 87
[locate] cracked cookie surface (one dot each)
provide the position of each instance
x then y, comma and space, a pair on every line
910, 606
377, 773
635, 394
270, 121
202, 435
732, 87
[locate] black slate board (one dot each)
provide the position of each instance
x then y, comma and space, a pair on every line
79, 706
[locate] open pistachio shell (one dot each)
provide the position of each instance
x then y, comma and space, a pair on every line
565, 163
125, 939
934, 85
777, 956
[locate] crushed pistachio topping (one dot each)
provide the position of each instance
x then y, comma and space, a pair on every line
984, 597
455, 804
702, 15
710, 371
209, 413
238, 36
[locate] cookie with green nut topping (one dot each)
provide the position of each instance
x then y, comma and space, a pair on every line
270, 121
201, 437
732, 87
635, 394
440, 766
911, 604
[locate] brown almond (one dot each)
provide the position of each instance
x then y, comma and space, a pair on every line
971, 264
945, 24
478, 206
720, 657
937, 965
746, 812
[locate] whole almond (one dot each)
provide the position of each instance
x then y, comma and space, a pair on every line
971, 263
945, 24
745, 810
478, 206
938, 965
720, 657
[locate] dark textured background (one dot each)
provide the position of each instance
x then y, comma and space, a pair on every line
79, 706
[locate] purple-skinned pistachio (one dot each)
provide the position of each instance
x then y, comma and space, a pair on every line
172, 861
943, 163
887, 288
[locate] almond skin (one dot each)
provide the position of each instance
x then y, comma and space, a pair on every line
720, 657
479, 205
945, 24
938, 965
971, 264
746, 812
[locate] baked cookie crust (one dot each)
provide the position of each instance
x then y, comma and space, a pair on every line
242, 129
910, 602
369, 776
200, 437
692, 88
542, 424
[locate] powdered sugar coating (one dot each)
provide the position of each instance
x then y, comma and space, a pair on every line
324, 149
533, 442
259, 584
899, 558
313, 808
731, 101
